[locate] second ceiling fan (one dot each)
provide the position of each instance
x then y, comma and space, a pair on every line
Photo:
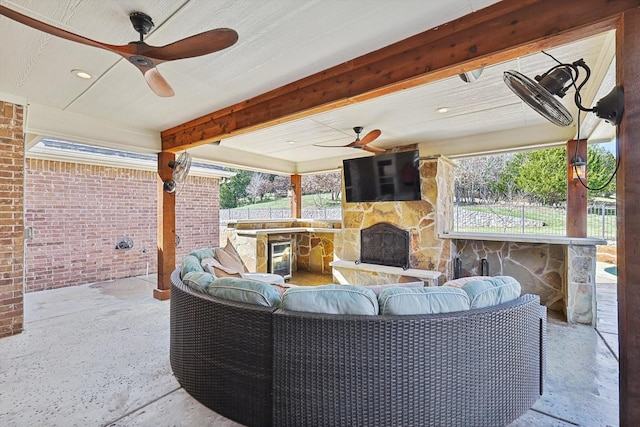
361, 143
143, 56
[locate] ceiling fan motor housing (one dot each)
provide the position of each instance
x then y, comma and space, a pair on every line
554, 81
142, 22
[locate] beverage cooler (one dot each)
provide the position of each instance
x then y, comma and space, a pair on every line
280, 258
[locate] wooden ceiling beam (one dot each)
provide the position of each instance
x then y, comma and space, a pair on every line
503, 31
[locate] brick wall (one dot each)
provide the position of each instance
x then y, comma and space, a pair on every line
11, 218
79, 212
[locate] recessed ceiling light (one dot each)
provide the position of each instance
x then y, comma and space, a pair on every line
82, 74
291, 142
443, 110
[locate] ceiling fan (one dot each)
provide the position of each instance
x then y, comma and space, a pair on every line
361, 143
140, 54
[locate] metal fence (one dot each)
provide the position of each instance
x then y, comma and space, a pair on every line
486, 218
227, 215
532, 219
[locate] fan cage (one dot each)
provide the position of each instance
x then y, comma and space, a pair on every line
538, 98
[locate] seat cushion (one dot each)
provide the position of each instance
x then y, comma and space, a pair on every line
270, 278
244, 290
331, 299
431, 300
459, 283
377, 289
490, 291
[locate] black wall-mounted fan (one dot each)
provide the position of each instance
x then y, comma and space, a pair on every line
540, 94
140, 54
180, 168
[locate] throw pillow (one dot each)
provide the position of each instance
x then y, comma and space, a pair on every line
431, 300
331, 299
230, 261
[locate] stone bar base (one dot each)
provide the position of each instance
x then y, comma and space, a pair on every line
561, 270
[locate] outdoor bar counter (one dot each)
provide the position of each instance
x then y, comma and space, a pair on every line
560, 269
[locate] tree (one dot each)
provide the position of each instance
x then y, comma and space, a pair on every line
319, 184
601, 164
543, 175
478, 177
233, 190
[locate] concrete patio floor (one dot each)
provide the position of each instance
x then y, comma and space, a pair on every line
98, 355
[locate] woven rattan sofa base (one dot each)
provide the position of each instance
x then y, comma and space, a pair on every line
263, 367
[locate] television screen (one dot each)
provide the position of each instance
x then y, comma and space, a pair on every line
387, 177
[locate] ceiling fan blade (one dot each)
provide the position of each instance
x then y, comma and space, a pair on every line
157, 83
375, 150
58, 32
196, 45
370, 137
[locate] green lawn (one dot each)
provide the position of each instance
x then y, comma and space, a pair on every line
308, 201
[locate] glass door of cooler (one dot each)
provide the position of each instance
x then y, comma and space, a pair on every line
280, 258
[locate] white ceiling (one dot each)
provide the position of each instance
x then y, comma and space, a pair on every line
280, 41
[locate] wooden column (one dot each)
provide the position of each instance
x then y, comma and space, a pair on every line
576, 192
166, 228
296, 196
628, 205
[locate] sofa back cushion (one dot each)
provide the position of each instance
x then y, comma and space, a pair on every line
198, 280
490, 291
244, 290
431, 300
202, 253
189, 264
331, 299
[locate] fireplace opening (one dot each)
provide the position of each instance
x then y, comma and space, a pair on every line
384, 244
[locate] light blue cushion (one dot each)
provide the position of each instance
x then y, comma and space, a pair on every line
377, 289
430, 300
245, 290
190, 264
492, 290
331, 299
203, 253
198, 280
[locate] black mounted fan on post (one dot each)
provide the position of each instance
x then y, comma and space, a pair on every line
180, 168
542, 94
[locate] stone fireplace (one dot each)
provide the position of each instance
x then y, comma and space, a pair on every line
422, 220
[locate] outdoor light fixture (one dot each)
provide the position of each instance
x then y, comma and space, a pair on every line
543, 93
471, 76
578, 168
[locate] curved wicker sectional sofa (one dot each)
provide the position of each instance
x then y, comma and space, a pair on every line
262, 366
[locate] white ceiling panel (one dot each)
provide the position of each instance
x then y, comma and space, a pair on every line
280, 41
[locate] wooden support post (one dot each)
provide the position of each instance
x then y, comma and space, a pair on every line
628, 209
166, 228
296, 196
576, 191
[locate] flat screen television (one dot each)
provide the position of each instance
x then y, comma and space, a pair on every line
386, 177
